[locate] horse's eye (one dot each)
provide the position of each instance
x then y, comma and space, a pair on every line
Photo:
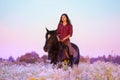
49, 36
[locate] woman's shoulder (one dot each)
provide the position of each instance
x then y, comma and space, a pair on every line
70, 25
60, 24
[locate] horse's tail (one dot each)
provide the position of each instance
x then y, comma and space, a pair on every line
76, 60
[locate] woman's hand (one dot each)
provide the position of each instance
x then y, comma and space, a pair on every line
67, 37
60, 40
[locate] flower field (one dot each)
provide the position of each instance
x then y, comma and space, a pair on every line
42, 71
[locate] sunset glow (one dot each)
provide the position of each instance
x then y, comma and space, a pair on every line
96, 25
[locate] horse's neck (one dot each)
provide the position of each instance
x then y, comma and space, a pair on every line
56, 43
56, 39
55, 47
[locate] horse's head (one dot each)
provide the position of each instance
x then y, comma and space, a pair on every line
50, 39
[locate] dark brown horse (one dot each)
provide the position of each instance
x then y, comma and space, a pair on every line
57, 51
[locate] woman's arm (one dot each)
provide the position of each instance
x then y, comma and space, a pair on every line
67, 37
70, 34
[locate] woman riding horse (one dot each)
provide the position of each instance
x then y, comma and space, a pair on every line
64, 31
58, 43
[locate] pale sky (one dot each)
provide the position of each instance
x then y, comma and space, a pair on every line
96, 25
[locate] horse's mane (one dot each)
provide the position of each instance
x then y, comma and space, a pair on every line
53, 32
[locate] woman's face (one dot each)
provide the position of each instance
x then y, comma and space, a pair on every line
64, 18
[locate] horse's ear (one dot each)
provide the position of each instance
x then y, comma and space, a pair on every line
47, 30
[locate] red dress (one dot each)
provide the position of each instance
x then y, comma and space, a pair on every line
64, 31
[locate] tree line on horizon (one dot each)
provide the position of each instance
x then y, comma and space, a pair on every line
33, 57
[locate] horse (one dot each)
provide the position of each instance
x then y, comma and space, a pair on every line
59, 52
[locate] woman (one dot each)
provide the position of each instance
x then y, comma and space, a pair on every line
64, 31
